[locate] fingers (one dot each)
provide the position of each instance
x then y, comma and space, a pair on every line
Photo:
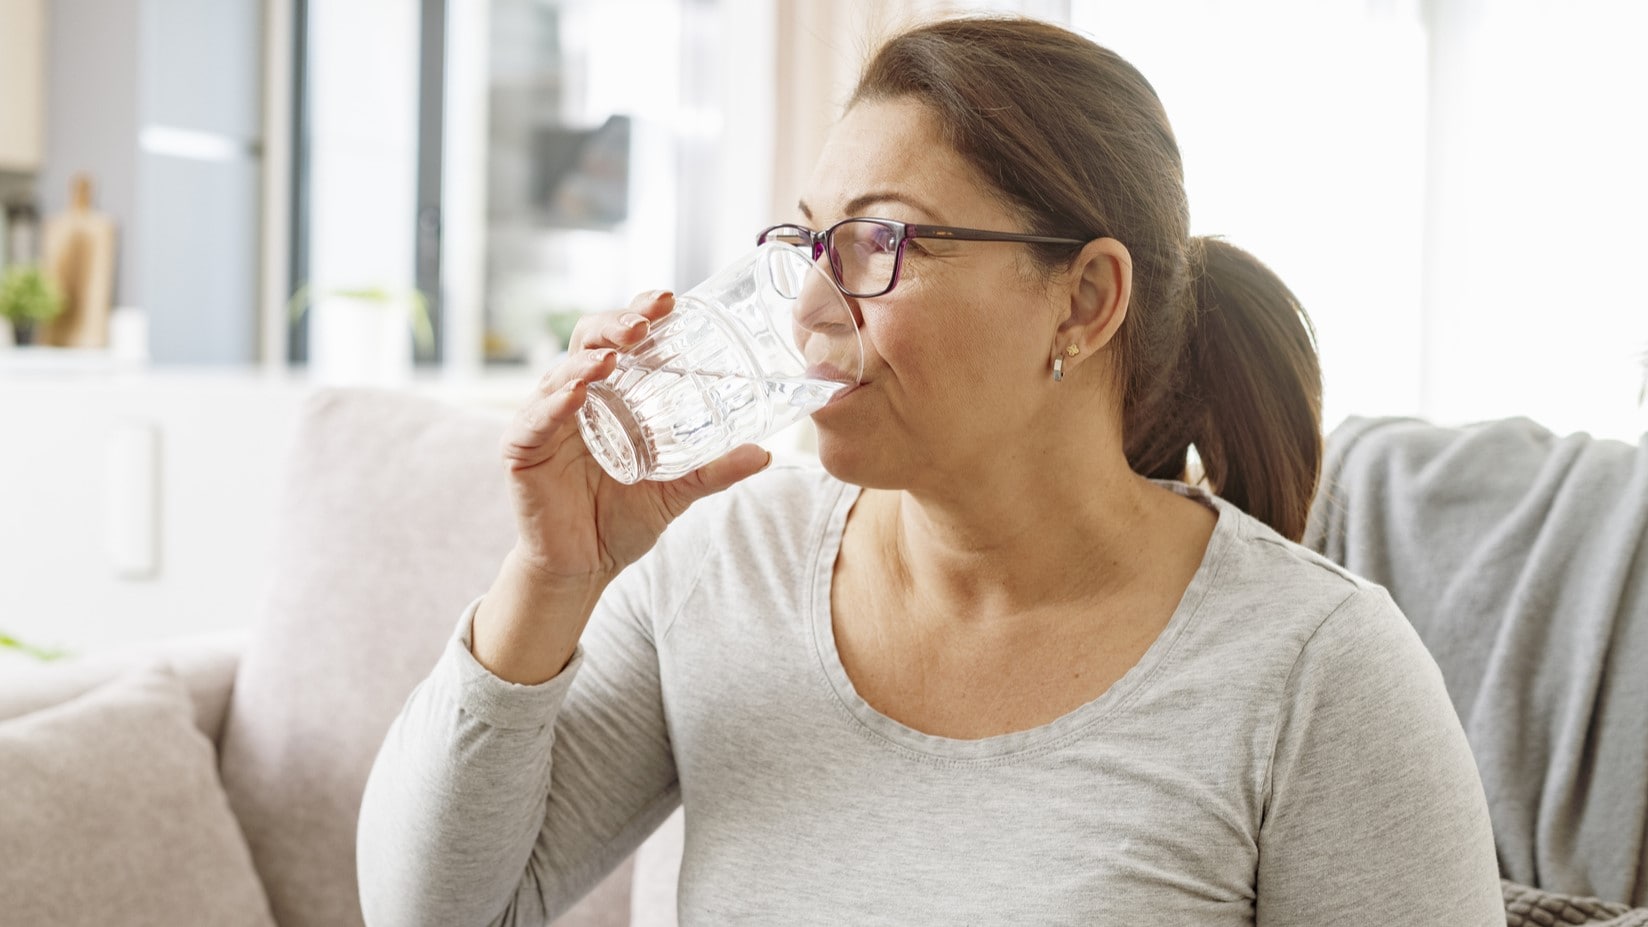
740, 463
533, 434
591, 365
625, 327
536, 431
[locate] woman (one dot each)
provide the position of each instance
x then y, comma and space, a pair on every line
995, 664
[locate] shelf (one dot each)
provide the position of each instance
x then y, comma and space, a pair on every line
498, 387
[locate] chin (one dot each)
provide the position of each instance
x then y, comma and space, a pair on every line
854, 455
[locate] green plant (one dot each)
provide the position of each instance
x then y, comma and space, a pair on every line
561, 322
422, 329
27, 297
7, 642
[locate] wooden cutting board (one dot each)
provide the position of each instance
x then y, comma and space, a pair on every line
79, 257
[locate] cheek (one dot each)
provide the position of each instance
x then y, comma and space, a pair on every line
938, 341
929, 314
912, 347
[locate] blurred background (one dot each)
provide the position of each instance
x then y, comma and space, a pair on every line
213, 207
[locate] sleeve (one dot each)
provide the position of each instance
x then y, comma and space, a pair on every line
1375, 813
502, 804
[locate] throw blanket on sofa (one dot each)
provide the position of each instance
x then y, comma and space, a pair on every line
1530, 907
1519, 557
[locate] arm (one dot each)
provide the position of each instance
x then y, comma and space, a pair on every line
1376, 813
528, 764
498, 803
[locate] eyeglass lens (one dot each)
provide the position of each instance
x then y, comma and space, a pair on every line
864, 256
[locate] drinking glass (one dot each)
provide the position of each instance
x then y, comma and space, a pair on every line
762, 343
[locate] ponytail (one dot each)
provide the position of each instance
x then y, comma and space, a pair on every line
1249, 390
1246, 393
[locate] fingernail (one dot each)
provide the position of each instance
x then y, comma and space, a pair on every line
600, 354
572, 385
632, 319
661, 294
768, 463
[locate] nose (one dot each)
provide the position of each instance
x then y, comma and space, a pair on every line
826, 323
821, 307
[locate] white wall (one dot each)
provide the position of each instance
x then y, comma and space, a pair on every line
1539, 214
1302, 128
1452, 188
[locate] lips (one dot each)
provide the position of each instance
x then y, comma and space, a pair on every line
843, 393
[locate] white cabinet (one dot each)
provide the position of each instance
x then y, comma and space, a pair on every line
22, 83
141, 503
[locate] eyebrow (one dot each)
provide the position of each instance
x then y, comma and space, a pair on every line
857, 203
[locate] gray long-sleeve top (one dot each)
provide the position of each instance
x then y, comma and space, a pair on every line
1283, 754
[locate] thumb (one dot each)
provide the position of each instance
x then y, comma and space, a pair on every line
740, 463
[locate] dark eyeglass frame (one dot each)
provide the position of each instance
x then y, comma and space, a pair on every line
823, 242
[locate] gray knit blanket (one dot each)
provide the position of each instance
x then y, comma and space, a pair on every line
1530, 907
1519, 556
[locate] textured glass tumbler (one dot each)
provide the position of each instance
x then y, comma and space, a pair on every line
759, 345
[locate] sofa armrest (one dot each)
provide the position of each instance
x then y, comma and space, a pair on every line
206, 664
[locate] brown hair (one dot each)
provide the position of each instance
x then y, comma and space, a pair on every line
1215, 351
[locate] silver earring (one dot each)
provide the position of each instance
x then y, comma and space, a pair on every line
1058, 362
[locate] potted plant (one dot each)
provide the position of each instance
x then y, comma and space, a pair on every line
27, 299
560, 323
363, 336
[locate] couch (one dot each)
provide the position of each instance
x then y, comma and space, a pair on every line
217, 779
230, 766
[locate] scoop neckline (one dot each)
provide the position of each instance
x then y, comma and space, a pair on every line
1014, 745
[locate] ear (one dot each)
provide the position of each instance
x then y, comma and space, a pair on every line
1098, 286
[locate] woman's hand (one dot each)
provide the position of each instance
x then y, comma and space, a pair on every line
575, 524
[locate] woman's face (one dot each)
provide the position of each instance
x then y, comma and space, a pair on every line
957, 357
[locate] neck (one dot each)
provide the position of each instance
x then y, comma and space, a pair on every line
1010, 542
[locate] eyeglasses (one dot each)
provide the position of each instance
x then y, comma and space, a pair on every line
867, 254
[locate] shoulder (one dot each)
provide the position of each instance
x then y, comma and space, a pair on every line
1278, 609
1331, 653
768, 522
784, 499
1257, 569
1347, 641
783, 491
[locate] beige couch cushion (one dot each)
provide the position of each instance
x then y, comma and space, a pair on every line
113, 814
205, 664
395, 516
